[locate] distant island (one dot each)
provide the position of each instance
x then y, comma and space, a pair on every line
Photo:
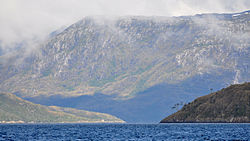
16, 110
229, 105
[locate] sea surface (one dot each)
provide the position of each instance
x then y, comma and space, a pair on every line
120, 132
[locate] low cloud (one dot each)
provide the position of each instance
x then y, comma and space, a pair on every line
30, 20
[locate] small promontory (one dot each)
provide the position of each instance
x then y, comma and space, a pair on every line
230, 104
16, 110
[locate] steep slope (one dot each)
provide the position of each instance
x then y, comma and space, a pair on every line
125, 58
127, 55
14, 109
231, 104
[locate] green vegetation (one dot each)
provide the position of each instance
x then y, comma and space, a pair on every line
69, 88
100, 83
227, 105
13, 108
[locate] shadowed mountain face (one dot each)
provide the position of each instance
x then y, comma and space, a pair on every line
227, 105
126, 59
149, 106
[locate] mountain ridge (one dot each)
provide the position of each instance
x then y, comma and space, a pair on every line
125, 57
85, 52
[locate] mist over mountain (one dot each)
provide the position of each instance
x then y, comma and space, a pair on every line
133, 62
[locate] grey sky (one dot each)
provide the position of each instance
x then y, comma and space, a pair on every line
26, 19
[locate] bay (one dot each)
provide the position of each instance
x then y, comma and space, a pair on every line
120, 132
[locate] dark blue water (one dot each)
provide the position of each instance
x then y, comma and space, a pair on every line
121, 132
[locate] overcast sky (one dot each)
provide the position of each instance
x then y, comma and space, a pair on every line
26, 19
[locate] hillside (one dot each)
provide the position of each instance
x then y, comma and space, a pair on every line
231, 104
126, 55
107, 63
16, 110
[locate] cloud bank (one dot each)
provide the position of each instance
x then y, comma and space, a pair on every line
26, 20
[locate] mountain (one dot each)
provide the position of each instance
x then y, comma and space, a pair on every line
133, 60
16, 110
231, 104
